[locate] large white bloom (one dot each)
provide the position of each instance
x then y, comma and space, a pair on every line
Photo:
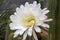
27, 18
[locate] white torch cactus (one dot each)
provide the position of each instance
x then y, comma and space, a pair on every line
27, 18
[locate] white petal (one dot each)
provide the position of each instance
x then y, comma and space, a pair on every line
45, 12
15, 13
47, 20
21, 32
15, 27
17, 10
37, 29
16, 33
44, 9
21, 6
14, 18
30, 31
18, 14
45, 25
24, 35
34, 35
35, 2
22, 9
39, 5
26, 4
38, 21
43, 17
36, 12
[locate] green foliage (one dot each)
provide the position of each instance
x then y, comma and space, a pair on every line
4, 20
58, 21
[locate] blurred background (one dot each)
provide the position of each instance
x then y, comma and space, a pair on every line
7, 7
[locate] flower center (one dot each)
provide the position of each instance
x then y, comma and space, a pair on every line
29, 21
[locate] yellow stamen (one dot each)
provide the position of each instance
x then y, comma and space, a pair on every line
28, 21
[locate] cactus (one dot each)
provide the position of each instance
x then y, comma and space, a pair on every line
52, 4
58, 20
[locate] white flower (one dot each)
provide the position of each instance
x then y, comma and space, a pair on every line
27, 18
